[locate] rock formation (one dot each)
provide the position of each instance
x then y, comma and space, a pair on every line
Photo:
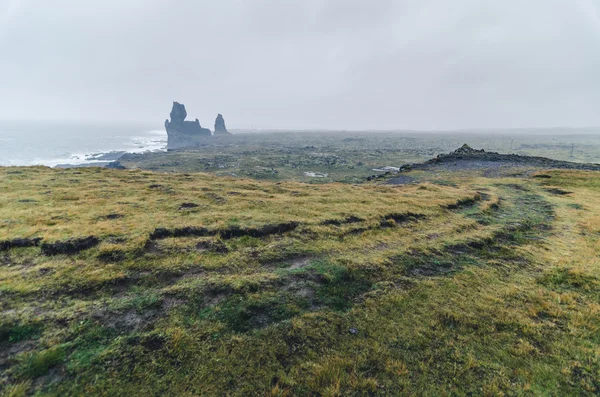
467, 158
220, 128
466, 149
183, 133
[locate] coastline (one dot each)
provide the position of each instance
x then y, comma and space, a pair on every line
73, 145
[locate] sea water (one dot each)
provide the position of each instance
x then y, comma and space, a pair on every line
53, 143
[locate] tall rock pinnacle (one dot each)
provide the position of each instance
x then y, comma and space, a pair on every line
220, 128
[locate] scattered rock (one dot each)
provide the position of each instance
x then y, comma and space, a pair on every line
353, 331
71, 246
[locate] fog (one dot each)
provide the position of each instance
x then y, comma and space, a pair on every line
309, 64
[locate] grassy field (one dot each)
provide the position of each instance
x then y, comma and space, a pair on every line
197, 284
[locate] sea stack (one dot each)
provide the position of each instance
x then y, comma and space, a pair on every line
183, 133
220, 128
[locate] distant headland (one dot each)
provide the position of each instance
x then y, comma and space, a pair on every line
182, 133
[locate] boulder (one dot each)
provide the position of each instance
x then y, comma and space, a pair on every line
220, 128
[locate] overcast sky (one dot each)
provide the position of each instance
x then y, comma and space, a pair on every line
343, 64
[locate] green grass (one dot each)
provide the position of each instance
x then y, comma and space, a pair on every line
490, 296
19, 332
40, 363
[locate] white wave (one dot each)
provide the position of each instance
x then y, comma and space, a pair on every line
151, 141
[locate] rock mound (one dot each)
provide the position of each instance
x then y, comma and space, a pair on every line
467, 158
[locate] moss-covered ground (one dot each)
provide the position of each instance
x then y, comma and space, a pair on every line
203, 285
350, 157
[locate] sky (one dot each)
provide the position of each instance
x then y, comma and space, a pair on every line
304, 64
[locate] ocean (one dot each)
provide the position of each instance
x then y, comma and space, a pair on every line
54, 143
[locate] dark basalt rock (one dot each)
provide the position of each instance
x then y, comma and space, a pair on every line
469, 154
183, 133
71, 246
466, 149
220, 128
115, 165
466, 157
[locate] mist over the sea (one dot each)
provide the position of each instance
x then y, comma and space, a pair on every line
53, 143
